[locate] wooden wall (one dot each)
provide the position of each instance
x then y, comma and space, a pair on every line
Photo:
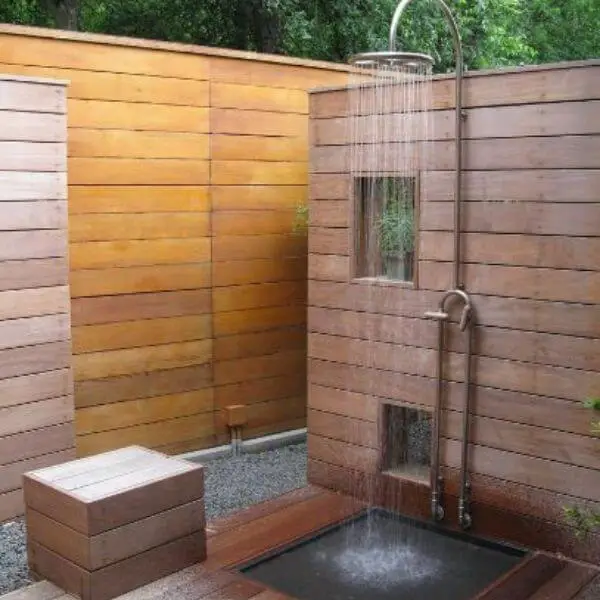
259, 173
36, 397
532, 252
185, 165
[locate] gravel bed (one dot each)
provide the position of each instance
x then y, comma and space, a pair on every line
13, 557
236, 482
231, 484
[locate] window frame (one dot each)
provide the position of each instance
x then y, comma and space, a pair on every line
357, 231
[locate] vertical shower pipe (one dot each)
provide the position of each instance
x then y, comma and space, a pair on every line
466, 321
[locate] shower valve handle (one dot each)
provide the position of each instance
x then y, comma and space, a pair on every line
464, 318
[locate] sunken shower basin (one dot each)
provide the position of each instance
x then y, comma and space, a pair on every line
379, 555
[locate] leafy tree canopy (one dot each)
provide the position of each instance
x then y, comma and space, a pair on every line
494, 32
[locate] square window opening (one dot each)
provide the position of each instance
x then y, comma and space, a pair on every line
407, 442
386, 219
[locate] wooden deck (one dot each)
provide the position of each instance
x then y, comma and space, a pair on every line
245, 535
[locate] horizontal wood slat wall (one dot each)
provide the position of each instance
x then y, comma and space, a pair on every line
188, 287
259, 170
36, 395
531, 260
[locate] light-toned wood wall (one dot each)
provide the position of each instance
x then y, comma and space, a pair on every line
36, 396
185, 165
532, 252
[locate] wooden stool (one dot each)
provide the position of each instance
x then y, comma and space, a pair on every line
101, 526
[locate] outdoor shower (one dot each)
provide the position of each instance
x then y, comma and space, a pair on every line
397, 68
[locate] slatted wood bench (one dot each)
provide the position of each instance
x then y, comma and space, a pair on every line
101, 526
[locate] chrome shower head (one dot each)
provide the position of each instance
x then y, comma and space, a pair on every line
391, 60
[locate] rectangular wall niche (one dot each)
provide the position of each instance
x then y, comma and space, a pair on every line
386, 228
406, 441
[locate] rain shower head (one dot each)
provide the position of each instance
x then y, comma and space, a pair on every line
392, 60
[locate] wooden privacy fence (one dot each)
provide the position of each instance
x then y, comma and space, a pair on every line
36, 396
188, 287
531, 222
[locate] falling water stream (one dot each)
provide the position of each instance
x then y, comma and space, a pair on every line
389, 133
381, 556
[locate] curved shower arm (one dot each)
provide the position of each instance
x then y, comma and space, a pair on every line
451, 21
466, 312
458, 54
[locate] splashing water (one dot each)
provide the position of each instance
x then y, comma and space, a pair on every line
380, 564
390, 128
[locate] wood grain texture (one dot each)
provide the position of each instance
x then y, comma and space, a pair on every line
107, 199
497, 342
253, 197
257, 148
36, 389
131, 253
33, 97
35, 415
134, 280
131, 171
101, 57
19, 126
33, 156
246, 247
86, 143
250, 122
248, 97
489, 88
239, 297
147, 410
142, 385
18, 185
151, 435
247, 172
261, 390
529, 227
129, 307
98, 114
97, 365
132, 334
88, 228
243, 272
535, 120
252, 222
159, 139
121, 87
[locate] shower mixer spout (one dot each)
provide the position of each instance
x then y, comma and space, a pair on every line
465, 324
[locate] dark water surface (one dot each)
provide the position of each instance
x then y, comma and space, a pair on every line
385, 557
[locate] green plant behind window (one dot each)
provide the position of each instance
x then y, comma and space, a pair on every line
396, 225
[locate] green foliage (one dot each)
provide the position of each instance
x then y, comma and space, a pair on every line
24, 12
396, 225
300, 224
594, 404
494, 32
585, 521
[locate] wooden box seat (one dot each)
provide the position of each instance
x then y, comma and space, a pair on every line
101, 526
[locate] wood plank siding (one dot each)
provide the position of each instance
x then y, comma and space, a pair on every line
283, 522
188, 287
531, 261
36, 395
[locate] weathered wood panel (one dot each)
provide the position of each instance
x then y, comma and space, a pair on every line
139, 205
552, 83
530, 250
186, 166
259, 151
36, 395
